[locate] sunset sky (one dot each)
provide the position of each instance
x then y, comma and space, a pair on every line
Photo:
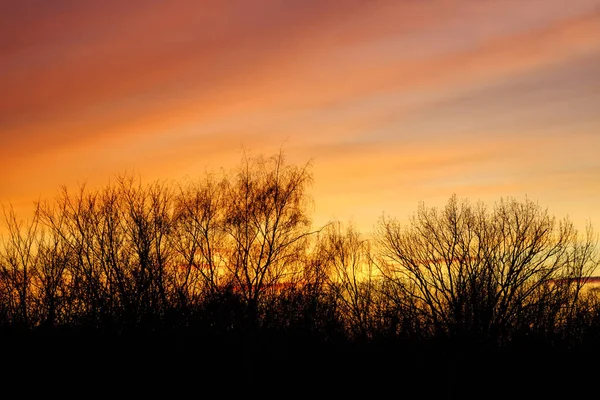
395, 102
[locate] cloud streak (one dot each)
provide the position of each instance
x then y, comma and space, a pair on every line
396, 101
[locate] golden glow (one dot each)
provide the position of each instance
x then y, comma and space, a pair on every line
395, 101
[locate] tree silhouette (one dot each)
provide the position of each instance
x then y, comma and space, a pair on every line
227, 269
350, 267
18, 263
491, 274
267, 223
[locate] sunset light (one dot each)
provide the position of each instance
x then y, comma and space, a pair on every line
395, 102
292, 195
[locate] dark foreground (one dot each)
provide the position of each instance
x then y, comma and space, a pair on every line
170, 366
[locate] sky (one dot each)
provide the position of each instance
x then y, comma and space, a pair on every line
393, 102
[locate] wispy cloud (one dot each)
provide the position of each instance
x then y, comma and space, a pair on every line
396, 101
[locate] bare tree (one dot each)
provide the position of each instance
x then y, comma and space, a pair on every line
148, 216
50, 280
469, 269
113, 248
200, 238
267, 223
351, 277
18, 261
75, 221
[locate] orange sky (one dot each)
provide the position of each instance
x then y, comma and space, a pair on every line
395, 102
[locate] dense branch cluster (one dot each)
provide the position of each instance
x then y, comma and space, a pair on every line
236, 252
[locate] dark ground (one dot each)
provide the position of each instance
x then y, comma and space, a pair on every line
77, 365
